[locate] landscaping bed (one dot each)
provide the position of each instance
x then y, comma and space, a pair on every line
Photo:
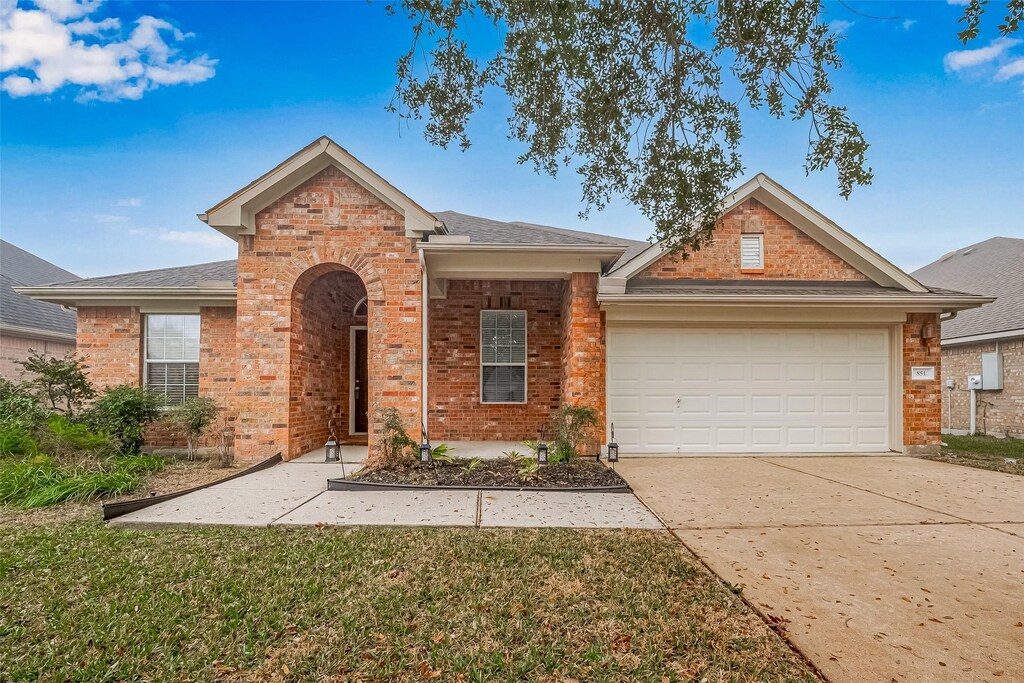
983, 452
499, 473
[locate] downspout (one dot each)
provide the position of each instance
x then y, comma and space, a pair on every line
424, 300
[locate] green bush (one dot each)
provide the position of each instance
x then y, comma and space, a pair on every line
59, 383
18, 406
123, 412
572, 425
193, 417
76, 435
392, 447
16, 440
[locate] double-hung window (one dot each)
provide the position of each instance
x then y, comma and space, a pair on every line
503, 356
172, 356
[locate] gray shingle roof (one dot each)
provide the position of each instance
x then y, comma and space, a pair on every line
488, 231
183, 276
994, 267
20, 268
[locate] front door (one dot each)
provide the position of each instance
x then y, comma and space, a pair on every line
360, 390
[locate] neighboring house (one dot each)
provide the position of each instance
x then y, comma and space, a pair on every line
994, 268
787, 335
27, 325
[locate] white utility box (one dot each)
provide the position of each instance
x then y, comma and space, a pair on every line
992, 370
974, 381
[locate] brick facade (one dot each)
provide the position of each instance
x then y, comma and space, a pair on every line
998, 412
15, 348
922, 400
789, 254
329, 223
455, 411
583, 350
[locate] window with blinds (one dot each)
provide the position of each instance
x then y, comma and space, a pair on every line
172, 356
503, 356
752, 252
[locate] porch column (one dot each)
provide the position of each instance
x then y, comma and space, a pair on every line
583, 350
922, 400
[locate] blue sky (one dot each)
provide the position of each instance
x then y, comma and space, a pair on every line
109, 179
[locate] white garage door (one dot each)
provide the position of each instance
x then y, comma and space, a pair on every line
685, 390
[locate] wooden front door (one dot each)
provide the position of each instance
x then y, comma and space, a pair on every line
360, 389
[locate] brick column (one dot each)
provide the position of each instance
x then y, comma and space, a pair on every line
583, 349
922, 400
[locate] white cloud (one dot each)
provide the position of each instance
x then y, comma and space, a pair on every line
957, 2
128, 201
41, 51
208, 240
108, 218
839, 26
1010, 70
908, 23
963, 59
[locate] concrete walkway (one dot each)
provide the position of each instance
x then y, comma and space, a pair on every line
295, 494
876, 568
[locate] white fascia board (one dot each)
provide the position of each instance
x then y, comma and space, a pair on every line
236, 215
910, 303
514, 261
991, 336
130, 296
804, 218
33, 333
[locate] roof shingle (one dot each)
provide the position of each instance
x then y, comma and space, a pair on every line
994, 267
21, 268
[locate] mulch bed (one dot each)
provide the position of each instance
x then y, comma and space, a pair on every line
500, 473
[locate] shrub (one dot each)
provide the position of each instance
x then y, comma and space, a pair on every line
15, 440
572, 425
59, 383
123, 412
19, 406
193, 417
392, 447
442, 453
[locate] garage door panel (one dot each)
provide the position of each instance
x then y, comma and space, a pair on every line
684, 390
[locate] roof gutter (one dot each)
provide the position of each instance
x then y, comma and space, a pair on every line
464, 247
36, 333
69, 295
943, 301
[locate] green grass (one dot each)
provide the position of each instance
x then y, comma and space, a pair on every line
31, 482
86, 603
983, 452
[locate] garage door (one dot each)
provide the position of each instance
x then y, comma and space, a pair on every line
685, 390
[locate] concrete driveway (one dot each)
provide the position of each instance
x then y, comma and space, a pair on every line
876, 568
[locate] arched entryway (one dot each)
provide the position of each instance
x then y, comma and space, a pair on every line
328, 359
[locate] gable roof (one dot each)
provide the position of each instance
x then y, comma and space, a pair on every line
216, 273
994, 267
489, 231
236, 215
804, 218
21, 314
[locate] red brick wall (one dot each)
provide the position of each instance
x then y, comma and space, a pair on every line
789, 254
922, 400
998, 412
14, 349
583, 350
328, 223
455, 411
110, 340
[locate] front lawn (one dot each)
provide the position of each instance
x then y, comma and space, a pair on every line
983, 452
86, 603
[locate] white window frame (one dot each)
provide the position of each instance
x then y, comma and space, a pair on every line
760, 250
145, 348
524, 365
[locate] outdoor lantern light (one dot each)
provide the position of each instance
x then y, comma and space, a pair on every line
331, 447
333, 452
613, 448
542, 453
425, 446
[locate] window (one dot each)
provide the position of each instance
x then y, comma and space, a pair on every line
172, 356
503, 357
752, 252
